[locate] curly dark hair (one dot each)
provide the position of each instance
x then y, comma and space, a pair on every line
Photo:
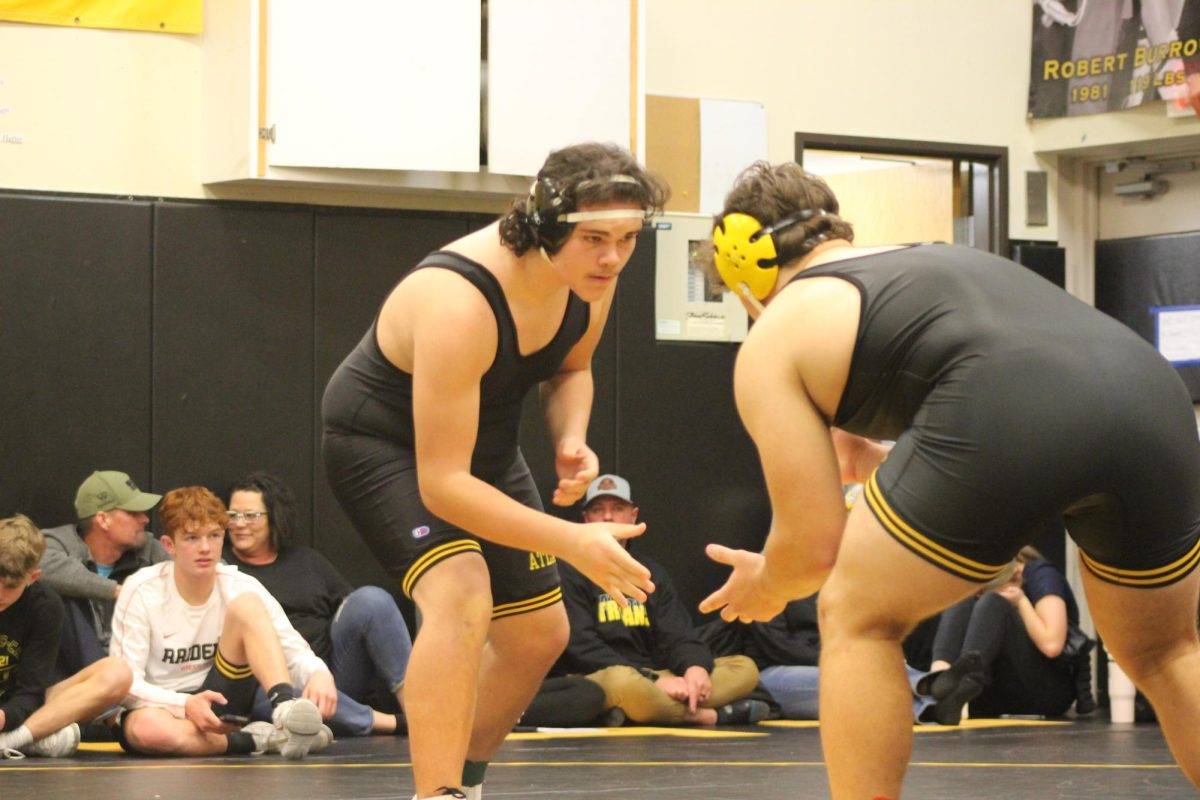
771, 193
578, 172
278, 500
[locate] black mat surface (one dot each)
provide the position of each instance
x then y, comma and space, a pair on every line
773, 761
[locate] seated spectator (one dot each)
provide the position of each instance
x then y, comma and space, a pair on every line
648, 657
569, 701
86, 563
359, 633
787, 650
200, 638
1014, 649
37, 719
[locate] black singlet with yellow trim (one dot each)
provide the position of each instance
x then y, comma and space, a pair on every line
370, 461
1013, 403
370, 395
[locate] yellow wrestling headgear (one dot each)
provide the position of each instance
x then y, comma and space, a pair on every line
746, 260
746, 253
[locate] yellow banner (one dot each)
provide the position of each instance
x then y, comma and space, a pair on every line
162, 16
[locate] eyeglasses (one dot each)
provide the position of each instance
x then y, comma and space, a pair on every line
246, 516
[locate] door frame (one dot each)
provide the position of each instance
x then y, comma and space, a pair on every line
996, 158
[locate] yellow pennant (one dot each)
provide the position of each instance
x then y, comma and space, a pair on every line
162, 16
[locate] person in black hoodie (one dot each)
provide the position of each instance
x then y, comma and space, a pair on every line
648, 657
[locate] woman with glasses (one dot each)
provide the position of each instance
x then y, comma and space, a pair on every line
359, 633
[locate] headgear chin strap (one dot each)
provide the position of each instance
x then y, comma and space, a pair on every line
747, 255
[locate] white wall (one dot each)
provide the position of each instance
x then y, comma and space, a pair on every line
119, 113
936, 70
110, 112
1177, 211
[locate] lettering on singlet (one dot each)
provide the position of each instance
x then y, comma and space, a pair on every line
540, 561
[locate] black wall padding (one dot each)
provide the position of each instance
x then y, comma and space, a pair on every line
1134, 275
693, 469
74, 348
233, 345
360, 256
1047, 260
190, 342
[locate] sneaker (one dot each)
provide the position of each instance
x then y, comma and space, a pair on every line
61, 743
299, 723
269, 739
446, 792
743, 712
613, 718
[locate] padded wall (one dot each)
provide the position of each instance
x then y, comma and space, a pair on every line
693, 470
1047, 260
190, 342
359, 257
1134, 275
233, 345
75, 321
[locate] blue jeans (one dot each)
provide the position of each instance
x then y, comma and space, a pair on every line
371, 645
795, 689
79, 645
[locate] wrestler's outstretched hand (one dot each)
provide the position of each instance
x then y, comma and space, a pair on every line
577, 466
746, 595
598, 554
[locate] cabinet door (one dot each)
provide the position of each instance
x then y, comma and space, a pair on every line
375, 84
559, 73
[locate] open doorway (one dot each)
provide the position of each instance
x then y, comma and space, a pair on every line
903, 190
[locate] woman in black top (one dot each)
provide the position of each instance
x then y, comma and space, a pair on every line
359, 633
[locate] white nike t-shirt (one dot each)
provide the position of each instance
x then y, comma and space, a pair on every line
170, 645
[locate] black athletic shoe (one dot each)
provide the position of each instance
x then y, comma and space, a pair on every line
743, 712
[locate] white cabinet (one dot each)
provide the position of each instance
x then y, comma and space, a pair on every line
388, 93
560, 73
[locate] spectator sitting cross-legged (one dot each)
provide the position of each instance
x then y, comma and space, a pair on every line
37, 719
648, 657
201, 638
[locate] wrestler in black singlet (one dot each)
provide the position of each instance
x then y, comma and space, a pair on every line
1013, 404
368, 447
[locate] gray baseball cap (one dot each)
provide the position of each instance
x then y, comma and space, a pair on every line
608, 486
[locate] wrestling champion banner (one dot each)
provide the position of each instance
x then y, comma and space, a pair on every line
1092, 56
161, 16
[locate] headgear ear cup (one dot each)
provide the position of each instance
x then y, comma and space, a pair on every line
743, 256
544, 207
746, 253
